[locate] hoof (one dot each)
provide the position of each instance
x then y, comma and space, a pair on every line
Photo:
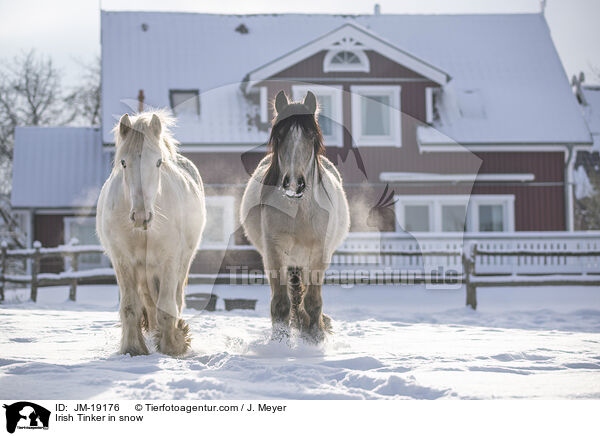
314, 336
280, 332
177, 342
140, 350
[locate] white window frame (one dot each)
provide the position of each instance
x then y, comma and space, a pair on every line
364, 91
335, 92
228, 203
471, 202
506, 201
364, 65
67, 222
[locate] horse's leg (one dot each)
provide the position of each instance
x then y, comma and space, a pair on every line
130, 311
296, 285
280, 300
319, 323
149, 294
173, 332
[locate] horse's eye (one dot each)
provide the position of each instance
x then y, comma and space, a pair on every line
158, 163
123, 163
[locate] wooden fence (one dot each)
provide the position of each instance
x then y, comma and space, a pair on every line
480, 266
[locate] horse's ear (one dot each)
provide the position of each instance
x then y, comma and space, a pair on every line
155, 125
310, 101
281, 101
124, 125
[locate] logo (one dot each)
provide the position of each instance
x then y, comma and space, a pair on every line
25, 415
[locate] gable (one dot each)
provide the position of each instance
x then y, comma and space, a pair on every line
350, 37
379, 67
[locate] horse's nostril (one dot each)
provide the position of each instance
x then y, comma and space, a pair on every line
301, 185
149, 218
132, 216
286, 182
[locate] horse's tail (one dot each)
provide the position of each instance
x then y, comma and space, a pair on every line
299, 318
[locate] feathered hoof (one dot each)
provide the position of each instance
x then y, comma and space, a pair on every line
327, 324
280, 332
178, 342
135, 350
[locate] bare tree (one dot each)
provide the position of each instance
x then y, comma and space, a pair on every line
83, 101
30, 95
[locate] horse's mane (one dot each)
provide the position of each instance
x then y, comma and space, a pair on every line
294, 115
140, 124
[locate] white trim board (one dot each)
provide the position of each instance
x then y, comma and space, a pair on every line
331, 41
431, 177
454, 148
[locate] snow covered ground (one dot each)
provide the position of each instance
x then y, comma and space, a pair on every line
389, 342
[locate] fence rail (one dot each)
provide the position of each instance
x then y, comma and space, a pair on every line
517, 261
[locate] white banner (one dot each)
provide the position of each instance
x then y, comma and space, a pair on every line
282, 417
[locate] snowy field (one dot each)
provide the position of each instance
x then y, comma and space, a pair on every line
389, 342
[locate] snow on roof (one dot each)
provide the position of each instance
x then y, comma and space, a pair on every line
591, 112
509, 60
58, 167
345, 36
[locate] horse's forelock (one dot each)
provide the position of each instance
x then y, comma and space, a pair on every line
281, 127
166, 143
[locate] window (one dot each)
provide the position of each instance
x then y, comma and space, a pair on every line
416, 218
185, 102
84, 230
455, 213
346, 60
330, 110
454, 217
493, 213
376, 115
220, 221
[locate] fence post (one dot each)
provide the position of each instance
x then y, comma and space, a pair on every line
469, 257
74, 268
4, 248
35, 269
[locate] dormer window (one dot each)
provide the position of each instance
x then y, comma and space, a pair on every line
185, 102
346, 60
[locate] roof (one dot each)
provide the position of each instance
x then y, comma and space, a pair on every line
58, 167
508, 62
591, 112
340, 37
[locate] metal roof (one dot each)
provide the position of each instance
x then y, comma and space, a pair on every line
508, 61
57, 167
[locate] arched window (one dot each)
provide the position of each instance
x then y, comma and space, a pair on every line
346, 60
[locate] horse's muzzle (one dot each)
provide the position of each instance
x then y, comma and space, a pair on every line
139, 223
293, 194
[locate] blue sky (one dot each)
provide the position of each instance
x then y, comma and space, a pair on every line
69, 30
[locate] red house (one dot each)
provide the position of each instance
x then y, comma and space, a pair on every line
469, 119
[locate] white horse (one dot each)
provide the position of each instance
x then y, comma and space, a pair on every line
295, 212
150, 217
